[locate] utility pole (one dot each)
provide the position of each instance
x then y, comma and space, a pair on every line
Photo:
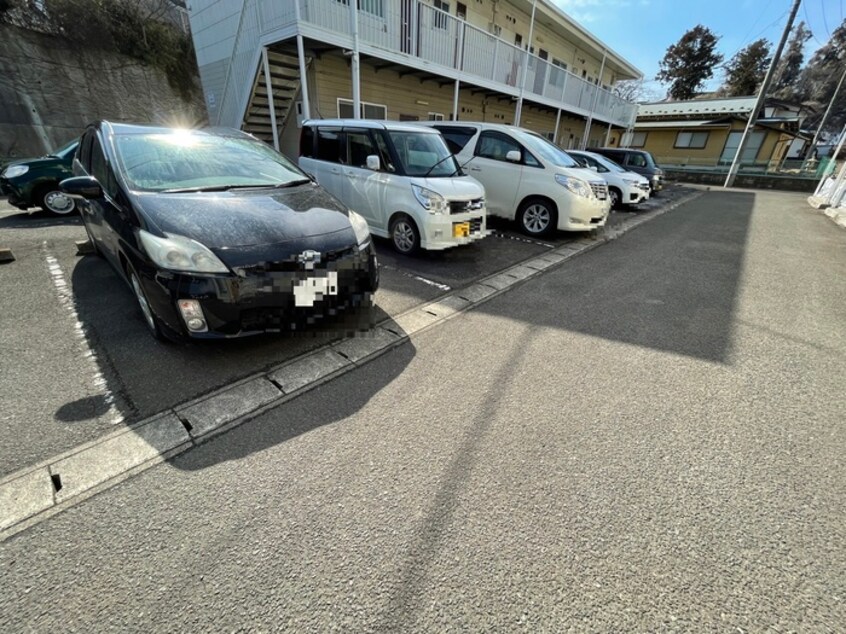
825, 116
762, 95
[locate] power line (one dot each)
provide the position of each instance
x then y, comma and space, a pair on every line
808, 22
825, 22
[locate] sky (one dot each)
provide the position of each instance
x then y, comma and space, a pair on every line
641, 30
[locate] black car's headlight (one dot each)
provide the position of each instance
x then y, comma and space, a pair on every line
178, 253
14, 171
359, 227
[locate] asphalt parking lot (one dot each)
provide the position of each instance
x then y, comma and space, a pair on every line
79, 361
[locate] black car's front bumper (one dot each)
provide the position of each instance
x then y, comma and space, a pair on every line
14, 197
260, 298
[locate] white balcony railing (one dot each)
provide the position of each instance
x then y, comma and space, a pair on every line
417, 30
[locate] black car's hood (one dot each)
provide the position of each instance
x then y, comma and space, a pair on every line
34, 163
247, 218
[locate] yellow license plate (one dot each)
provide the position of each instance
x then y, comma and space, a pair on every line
461, 230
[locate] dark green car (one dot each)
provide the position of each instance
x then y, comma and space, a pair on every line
35, 182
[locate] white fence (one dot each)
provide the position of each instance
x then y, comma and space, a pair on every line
417, 30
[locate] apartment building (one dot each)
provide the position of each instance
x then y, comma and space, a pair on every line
266, 65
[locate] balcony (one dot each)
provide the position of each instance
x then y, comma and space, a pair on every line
412, 33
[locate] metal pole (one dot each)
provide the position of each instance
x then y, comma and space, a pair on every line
608, 135
557, 123
269, 86
588, 124
762, 95
356, 76
825, 116
303, 77
525, 68
455, 101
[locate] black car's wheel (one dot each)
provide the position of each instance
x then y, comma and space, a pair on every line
153, 324
537, 217
54, 200
405, 235
615, 196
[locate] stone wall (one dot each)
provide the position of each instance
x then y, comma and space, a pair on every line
50, 92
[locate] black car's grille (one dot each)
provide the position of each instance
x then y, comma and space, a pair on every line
600, 190
461, 206
296, 263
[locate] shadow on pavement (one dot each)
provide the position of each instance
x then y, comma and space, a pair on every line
37, 218
676, 295
303, 414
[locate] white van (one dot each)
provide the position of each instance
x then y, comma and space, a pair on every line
527, 178
402, 178
624, 187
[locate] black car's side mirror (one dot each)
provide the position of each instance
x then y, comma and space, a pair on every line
82, 187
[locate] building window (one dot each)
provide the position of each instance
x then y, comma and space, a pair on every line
638, 139
461, 10
368, 110
691, 140
440, 18
435, 116
518, 40
373, 7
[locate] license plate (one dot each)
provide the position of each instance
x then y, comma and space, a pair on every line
461, 230
314, 289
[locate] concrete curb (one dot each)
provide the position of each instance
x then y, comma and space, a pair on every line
35, 493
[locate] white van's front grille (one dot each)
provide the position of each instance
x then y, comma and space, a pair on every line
600, 190
461, 206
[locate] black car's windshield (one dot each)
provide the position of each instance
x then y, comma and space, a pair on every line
423, 154
547, 151
66, 150
199, 161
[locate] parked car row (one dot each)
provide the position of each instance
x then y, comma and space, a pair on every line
219, 235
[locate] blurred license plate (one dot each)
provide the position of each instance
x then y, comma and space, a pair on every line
461, 230
314, 289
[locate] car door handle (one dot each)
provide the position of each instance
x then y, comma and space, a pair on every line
475, 169
335, 170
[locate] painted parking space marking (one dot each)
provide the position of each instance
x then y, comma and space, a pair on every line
35, 493
438, 285
65, 297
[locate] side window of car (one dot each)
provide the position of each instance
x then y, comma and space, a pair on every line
456, 138
85, 152
307, 142
328, 144
359, 147
384, 152
530, 160
495, 145
100, 169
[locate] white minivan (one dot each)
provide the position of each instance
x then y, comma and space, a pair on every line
527, 178
624, 187
402, 178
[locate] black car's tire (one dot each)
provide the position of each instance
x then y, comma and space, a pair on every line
537, 217
616, 197
51, 199
405, 235
152, 322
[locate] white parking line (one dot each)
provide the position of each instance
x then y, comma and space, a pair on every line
89, 357
500, 234
443, 287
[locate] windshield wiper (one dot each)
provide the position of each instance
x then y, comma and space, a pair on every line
436, 164
294, 183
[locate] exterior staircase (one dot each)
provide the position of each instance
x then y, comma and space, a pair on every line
285, 83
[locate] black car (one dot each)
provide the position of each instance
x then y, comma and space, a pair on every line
217, 234
638, 161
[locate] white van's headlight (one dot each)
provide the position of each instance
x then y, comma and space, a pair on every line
179, 253
575, 185
630, 182
15, 170
359, 227
431, 201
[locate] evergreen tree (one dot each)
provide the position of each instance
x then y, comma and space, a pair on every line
790, 64
745, 72
690, 62
819, 79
